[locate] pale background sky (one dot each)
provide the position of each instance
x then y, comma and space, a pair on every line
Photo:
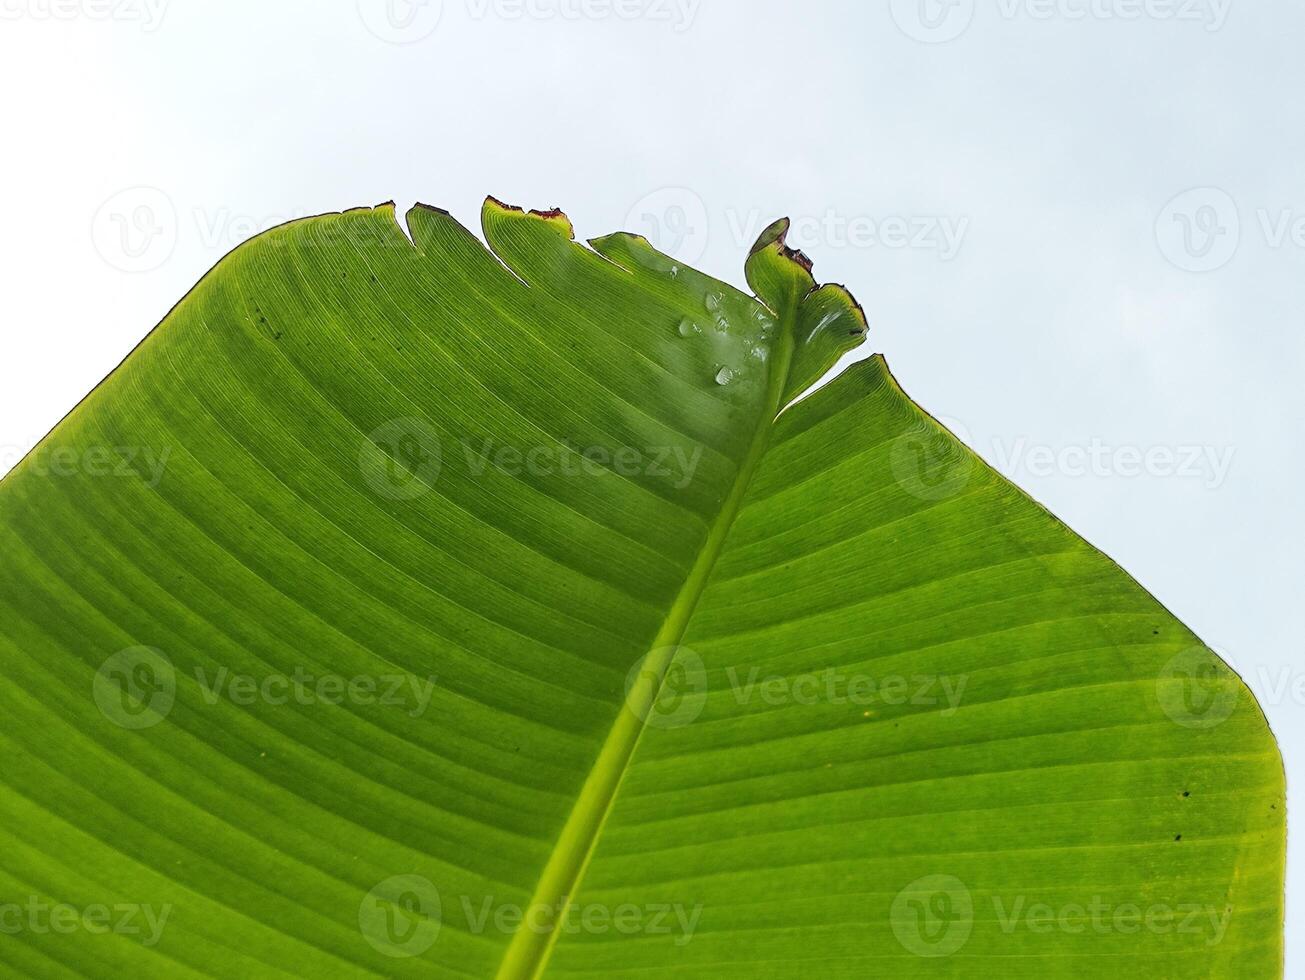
1077, 226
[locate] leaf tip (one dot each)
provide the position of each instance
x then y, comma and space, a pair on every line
422, 206
776, 231
858, 311
553, 217
776, 234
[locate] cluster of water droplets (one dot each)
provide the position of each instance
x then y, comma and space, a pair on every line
715, 306
759, 349
752, 343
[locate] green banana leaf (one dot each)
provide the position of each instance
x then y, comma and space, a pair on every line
402, 607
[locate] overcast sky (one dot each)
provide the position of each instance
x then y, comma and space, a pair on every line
1077, 226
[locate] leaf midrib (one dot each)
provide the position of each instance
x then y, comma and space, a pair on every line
528, 952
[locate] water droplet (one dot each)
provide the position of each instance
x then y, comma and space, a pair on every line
688, 328
724, 376
714, 301
675, 271
722, 323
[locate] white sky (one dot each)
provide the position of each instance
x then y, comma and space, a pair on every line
1049, 296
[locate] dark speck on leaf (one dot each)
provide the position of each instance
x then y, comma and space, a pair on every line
1178, 836
1187, 792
